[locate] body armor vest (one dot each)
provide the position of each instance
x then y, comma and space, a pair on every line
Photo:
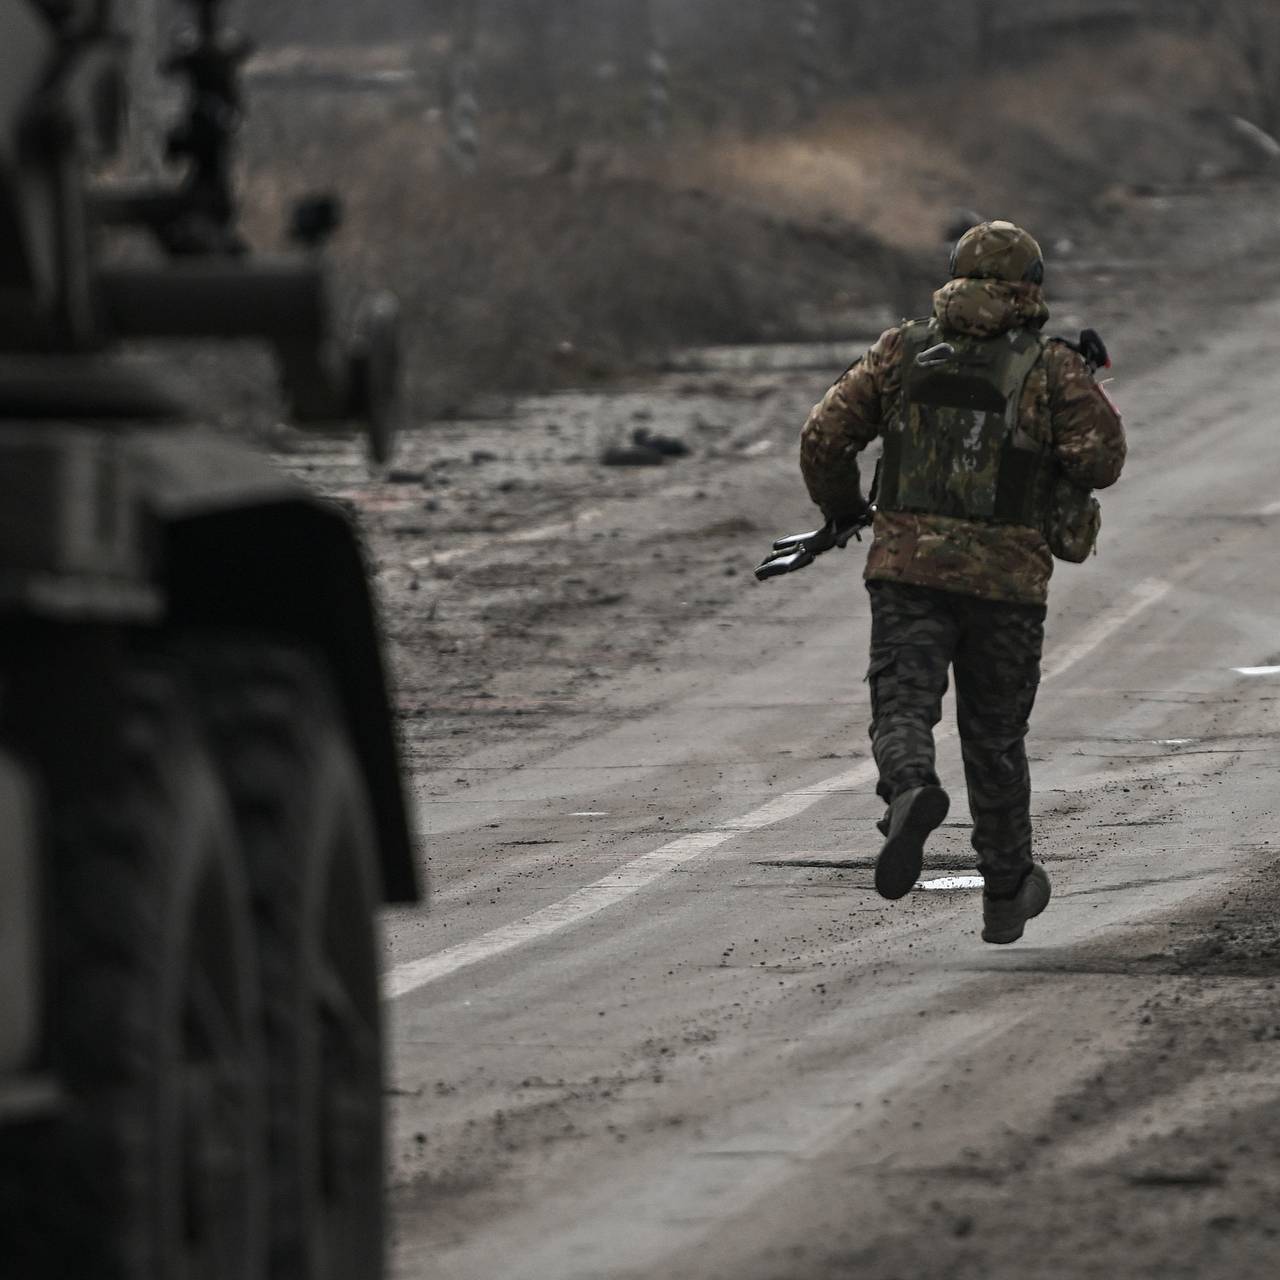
955, 446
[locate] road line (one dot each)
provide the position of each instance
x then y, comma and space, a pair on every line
1098, 632
644, 870
948, 884
590, 900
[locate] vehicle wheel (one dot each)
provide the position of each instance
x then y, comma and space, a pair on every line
304, 818
155, 1168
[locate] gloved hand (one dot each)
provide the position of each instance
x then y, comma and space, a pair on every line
856, 513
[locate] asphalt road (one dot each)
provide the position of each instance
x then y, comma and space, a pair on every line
658, 1024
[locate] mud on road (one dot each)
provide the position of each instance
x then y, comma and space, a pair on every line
1159, 1160
517, 572
747, 1065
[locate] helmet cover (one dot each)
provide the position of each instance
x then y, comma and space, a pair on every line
998, 251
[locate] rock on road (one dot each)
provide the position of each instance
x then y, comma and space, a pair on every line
658, 1023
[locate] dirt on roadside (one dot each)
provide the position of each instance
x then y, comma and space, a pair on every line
523, 582
1166, 1164
518, 574
556, 264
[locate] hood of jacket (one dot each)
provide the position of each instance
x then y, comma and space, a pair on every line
987, 308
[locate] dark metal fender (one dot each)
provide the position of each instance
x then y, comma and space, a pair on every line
242, 547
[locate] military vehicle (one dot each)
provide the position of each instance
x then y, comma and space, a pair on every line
199, 789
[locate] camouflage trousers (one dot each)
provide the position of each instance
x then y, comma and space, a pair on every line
917, 633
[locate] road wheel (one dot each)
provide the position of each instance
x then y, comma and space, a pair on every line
305, 823
155, 1170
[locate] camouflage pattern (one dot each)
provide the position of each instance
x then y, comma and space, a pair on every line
916, 634
998, 251
1061, 407
950, 441
990, 561
988, 308
1075, 519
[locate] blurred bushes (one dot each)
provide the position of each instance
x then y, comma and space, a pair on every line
581, 247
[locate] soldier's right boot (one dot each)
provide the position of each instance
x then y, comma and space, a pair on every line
912, 816
1003, 919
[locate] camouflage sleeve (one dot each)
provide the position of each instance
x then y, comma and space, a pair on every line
1088, 435
843, 423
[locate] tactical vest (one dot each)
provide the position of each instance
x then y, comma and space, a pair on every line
955, 446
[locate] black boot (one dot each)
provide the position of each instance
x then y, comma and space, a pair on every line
1003, 919
912, 816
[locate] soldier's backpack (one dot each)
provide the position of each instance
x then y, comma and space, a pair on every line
956, 446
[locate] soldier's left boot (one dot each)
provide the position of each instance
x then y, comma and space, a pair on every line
1004, 918
912, 817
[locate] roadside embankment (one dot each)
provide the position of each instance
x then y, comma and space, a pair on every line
551, 267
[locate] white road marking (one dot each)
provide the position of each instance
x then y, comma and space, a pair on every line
1256, 671
643, 871
518, 538
952, 882
590, 813
1103, 627
604, 893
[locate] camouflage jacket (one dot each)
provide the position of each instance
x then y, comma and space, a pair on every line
1062, 405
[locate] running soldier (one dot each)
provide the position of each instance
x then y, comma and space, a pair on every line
993, 439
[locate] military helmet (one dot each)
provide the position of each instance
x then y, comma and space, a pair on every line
998, 251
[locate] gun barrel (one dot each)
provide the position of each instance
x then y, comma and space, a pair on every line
283, 302
790, 541
798, 550
278, 301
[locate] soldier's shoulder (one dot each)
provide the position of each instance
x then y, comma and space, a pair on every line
875, 359
1064, 361
907, 328
1072, 381
888, 346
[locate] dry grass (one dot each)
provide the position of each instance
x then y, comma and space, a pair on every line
535, 272
1030, 144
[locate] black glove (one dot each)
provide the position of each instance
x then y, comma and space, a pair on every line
797, 550
857, 514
